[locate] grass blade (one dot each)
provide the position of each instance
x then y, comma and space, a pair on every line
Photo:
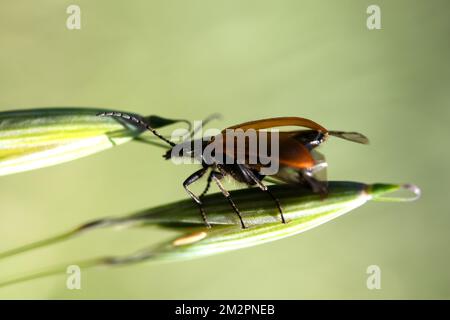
38, 138
303, 210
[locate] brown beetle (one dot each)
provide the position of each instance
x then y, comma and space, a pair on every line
298, 161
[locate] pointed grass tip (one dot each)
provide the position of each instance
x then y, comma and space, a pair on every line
394, 192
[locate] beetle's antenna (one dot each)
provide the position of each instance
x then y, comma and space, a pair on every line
214, 116
137, 121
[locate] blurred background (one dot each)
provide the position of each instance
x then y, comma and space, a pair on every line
246, 60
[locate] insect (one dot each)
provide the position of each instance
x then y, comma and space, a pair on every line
298, 160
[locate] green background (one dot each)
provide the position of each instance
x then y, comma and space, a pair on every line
246, 60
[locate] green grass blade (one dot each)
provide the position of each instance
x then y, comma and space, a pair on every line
303, 210
37, 138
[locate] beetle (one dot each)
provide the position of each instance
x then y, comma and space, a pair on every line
298, 160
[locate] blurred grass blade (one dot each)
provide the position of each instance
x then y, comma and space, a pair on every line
37, 138
303, 210
158, 122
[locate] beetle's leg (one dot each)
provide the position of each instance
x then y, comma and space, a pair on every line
249, 173
191, 179
208, 184
317, 186
216, 176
